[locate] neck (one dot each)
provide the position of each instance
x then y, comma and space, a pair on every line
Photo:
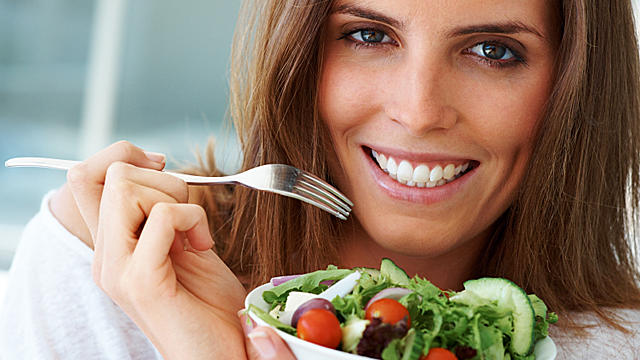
446, 270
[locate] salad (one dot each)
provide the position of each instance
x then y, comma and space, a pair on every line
384, 314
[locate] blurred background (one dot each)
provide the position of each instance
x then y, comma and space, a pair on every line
77, 75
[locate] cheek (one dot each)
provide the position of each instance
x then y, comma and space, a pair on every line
505, 117
348, 95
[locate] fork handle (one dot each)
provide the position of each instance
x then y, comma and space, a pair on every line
47, 163
60, 164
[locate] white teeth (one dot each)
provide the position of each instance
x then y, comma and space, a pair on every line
421, 174
436, 174
382, 160
420, 177
449, 171
392, 167
405, 171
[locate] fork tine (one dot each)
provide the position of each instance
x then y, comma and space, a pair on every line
317, 200
326, 186
303, 197
326, 194
309, 192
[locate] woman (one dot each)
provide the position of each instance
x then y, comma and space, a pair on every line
476, 138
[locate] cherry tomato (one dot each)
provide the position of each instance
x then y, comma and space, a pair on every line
439, 354
389, 311
320, 326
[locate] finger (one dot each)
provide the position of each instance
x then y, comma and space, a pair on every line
87, 178
123, 209
159, 232
127, 185
246, 321
169, 184
264, 343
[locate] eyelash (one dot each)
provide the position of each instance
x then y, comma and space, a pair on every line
515, 61
347, 35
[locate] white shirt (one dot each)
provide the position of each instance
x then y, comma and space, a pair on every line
54, 310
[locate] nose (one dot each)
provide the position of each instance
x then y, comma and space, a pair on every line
420, 99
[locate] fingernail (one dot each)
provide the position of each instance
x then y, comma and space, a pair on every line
262, 342
247, 322
155, 157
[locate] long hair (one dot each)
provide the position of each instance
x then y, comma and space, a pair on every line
276, 62
571, 234
570, 230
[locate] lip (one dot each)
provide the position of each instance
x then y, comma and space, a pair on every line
425, 196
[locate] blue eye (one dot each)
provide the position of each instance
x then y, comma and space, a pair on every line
370, 36
493, 51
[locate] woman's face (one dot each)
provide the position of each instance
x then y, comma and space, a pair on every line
432, 107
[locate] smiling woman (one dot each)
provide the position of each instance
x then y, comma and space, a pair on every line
476, 138
432, 95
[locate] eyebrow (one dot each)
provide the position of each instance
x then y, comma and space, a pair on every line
510, 27
357, 11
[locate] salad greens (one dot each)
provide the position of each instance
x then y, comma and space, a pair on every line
491, 319
310, 283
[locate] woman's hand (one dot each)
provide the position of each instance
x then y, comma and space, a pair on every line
153, 258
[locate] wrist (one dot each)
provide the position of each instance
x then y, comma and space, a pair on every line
192, 332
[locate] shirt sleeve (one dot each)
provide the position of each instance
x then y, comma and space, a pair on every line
601, 341
52, 308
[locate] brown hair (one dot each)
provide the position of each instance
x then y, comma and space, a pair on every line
276, 63
570, 230
570, 236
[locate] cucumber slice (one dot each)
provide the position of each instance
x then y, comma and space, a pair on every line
391, 271
413, 345
374, 273
509, 296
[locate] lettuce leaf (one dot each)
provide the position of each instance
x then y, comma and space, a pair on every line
307, 283
271, 320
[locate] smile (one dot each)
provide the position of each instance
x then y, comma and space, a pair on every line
421, 175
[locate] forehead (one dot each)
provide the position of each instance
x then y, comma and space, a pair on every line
438, 15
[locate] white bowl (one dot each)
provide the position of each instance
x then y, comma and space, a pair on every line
545, 349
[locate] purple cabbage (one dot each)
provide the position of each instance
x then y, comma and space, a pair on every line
377, 335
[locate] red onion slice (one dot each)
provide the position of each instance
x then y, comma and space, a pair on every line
394, 293
275, 281
311, 304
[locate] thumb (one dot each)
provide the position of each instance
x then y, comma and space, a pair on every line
262, 342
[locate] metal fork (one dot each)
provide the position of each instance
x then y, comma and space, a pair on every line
277, 178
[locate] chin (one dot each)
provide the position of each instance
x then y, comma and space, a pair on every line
414, 238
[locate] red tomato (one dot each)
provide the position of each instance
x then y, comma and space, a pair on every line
320, 326
388, 311
439, 354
